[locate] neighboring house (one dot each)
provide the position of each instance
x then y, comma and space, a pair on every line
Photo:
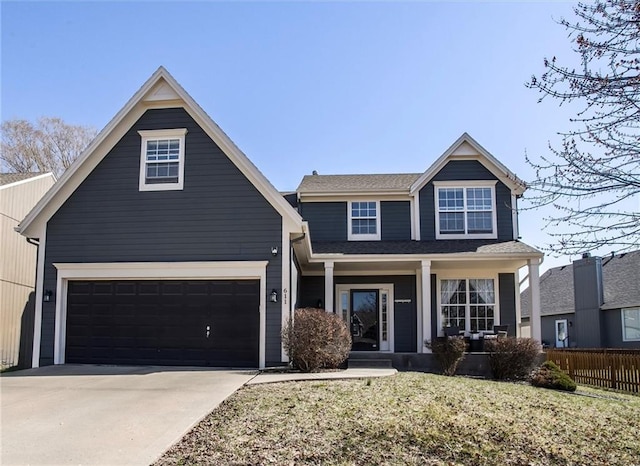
19, 192
164, 244
592, 303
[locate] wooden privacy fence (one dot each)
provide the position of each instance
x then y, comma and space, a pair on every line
607, 368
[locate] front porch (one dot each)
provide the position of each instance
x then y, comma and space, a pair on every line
473, 364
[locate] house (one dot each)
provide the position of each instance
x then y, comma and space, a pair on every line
592, 303
19, 192
164, 244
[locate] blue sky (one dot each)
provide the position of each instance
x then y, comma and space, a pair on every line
337, 87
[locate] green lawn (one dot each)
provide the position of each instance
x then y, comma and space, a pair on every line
415, 418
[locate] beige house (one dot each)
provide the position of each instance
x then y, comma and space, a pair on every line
19, 192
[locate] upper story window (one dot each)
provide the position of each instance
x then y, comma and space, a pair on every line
162, 159
465, 210
364, 220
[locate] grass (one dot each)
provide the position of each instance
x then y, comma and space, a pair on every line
414, 418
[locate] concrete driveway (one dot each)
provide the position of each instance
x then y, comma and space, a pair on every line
106, 415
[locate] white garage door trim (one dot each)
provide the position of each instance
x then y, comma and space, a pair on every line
155, 271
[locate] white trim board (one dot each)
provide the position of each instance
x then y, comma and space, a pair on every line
155, 271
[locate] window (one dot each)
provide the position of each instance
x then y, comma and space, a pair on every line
469, 304
364, 220
162, 160
465, 211
631, 324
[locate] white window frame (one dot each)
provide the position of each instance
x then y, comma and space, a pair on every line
363, 237
152, 135
561, 342
624, 328
491, 185
467, 316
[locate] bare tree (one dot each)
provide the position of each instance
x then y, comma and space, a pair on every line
593, 178
48, 145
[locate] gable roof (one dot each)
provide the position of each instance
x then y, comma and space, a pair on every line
467, 148
11, 178
620, 277
161, 90
357, 183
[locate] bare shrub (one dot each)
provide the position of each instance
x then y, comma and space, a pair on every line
449, 352
316, 340
512, 358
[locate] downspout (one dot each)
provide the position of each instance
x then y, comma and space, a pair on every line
291, 256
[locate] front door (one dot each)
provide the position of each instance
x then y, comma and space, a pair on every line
364, 320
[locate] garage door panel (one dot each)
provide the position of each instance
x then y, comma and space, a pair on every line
164, 322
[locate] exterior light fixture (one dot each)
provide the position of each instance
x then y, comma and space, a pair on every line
47, 296
273, 297
274, 250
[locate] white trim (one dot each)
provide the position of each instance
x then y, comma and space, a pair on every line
467, 275
534, 300
328, 286
464, 185
420, 348
415, 217
484, 157
380, 287
363, 237
557, 335
26, 180
624, 333
287, 297
425, 281
37, 319
152, 271
150, 135
353, 196
120, 124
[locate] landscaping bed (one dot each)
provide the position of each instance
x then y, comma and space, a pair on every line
414, 418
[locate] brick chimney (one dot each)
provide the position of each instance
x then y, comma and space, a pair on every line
588, 297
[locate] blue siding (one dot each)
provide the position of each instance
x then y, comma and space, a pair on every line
465, 170
395, 220
327, 220
219, 216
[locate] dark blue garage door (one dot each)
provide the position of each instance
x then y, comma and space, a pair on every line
185, 323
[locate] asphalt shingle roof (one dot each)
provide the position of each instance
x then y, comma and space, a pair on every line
422, 247
8, 178
620, 277
338, 183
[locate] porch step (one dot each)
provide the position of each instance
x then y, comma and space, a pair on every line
369, 363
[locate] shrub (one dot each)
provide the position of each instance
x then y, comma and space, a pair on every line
449, 351
512, 358
549, 375
316, 340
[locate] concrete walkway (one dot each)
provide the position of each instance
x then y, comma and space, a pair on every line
274, 377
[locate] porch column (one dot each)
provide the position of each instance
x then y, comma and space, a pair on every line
534, 287
420, 342
328, 286
425, 279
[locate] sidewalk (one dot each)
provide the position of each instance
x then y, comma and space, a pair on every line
360, 373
